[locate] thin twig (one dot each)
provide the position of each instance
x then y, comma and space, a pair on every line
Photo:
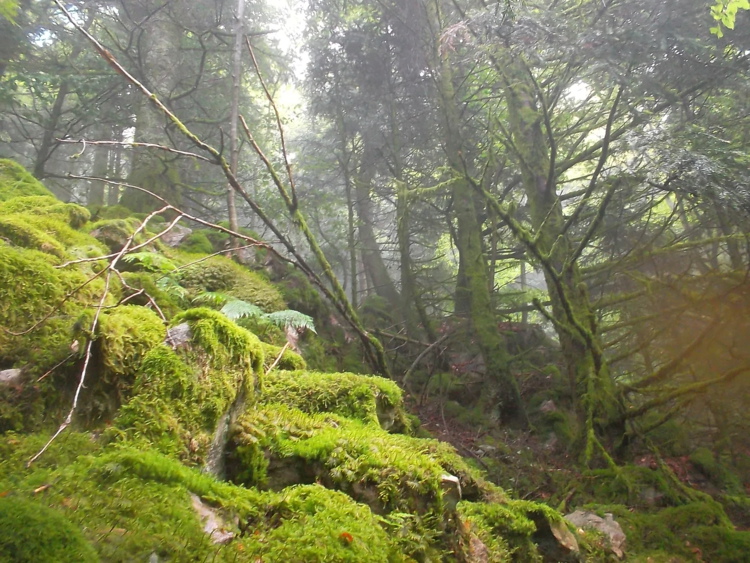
278, 358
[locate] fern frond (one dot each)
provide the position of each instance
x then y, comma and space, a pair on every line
236, 309
291, 319
171, 287
212, 298
152, 261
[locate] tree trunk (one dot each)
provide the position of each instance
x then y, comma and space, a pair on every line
475, 291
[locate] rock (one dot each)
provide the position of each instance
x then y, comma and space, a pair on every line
548, 406
213, 524
175, 235
607, 526
451, 486
10, 376
564, 536
478, 552
179, 336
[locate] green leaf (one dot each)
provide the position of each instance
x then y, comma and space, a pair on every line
291, 319
212, 298
237, 309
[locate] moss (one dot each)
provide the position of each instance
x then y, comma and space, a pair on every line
221, 274
227, 344
264, 329
504, 531
125, 334
290, 360
366, 398
31, 532
197, 242
627, 484
30, 290
114, 233
179, 397
72, 214
316, 524
168, 303
113, 212
387, 471
15, 181
679, 531
135, 503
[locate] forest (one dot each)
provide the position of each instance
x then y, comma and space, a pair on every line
375, 280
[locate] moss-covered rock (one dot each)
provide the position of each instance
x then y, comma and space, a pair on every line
31, 532
44, 223
115, 233
135, 504
369, 399
220, 274
180, 397
197, 243
276, 445
16, 181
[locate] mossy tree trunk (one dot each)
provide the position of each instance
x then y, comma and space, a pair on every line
572, 312
475, 291
372, 257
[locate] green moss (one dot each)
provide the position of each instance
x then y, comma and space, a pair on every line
366, 398
316, 524
125, 335
30, 290
197, 242
503, 530
387, 471
290, 360
70, 213
15, 181
31, 532
113, 212
167, 302
626, 485
180, 396
132, 503
223, 275
678, 531
114, 233
226, 344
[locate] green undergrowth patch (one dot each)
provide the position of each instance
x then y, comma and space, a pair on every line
633, 485
30, 532
369, 399
696, 531
135, 504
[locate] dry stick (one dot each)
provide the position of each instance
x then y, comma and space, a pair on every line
278, 358
133, 144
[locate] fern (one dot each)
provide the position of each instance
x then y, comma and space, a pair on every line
151, 261
291, 319
212, 298
237, 309
171, 287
